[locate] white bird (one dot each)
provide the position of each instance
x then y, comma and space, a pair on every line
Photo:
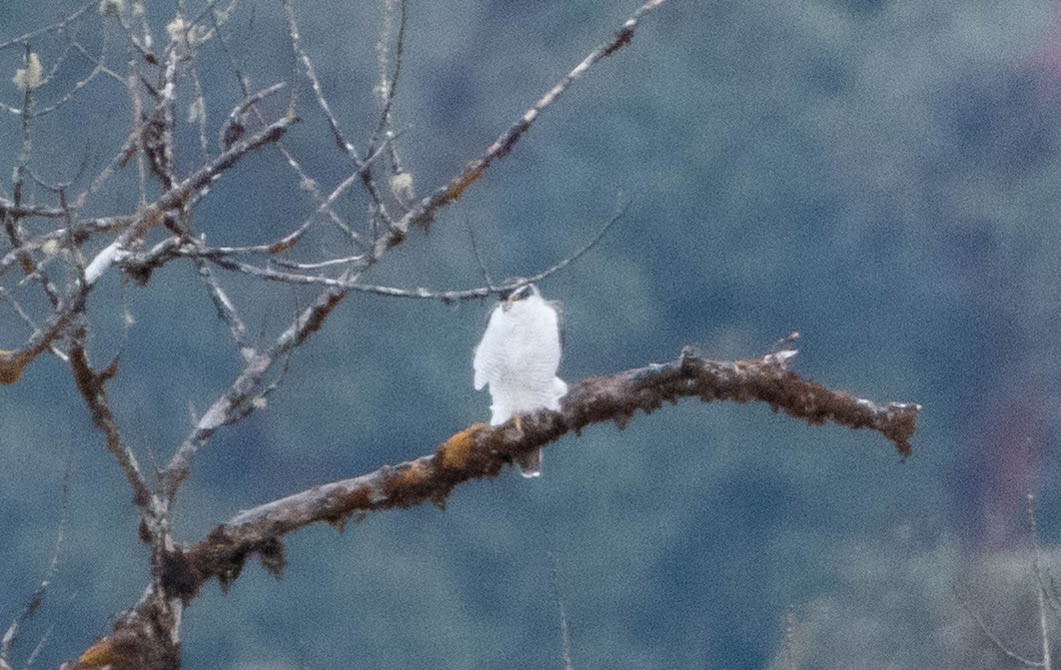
518, 357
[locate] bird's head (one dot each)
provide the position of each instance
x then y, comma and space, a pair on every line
517, 294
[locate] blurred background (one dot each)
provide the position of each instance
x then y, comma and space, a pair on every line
883, 177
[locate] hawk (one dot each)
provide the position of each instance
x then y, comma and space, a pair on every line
518, 357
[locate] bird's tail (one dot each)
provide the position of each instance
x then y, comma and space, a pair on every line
530, 465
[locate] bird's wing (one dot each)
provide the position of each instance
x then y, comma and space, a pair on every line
558, 307
559, 388
488, 351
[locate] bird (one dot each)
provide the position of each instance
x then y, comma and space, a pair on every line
518, 357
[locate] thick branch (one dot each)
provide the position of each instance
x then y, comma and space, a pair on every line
475, 453
480, 451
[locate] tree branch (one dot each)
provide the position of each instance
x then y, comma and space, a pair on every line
238, 401
93, 388
480, 452
475, 453
423, 212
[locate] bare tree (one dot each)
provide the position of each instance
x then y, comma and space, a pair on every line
62, 240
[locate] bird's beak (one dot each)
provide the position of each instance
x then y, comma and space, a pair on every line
511, 300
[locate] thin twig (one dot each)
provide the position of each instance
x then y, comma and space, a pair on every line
76, 235
388, 81
50, 28
217, 19
184, 194
69, 95
423, 213
233, 127
226, 310
169, 250
239, 400
1053, 595
999, 644
565, 636
10, 637
340, 141
479, 262
1040, 586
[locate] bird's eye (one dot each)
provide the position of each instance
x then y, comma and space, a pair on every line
517, 294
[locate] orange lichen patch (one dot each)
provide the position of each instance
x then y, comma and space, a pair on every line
454, 452
102, 654
320, 312
471, 174
350, 501
11, 366
282, 246
353, 504
403, 485
135, 644
414, 475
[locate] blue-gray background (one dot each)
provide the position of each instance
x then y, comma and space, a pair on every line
883, 177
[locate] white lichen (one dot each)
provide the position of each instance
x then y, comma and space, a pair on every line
29, 77
197, 110
50, 247
402, 185
177, 29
